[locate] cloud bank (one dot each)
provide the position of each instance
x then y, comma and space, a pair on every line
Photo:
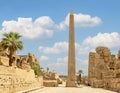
44, 58
44, 27
82, 20
110, 40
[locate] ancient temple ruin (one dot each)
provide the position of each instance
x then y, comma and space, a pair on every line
19, 76
20, 61
104, 69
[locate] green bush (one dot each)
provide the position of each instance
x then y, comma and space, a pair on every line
37, 70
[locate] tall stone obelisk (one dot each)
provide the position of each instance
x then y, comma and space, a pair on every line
71, 54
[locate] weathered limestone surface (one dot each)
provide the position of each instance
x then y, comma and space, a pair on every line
71, 54
19, 76
51, 79
104, 69
15, 79
27, 61
54, 76
20, 61
4, 61
50, 83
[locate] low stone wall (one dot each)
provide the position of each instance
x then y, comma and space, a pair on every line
110, 84
50, 83
98, 84
114, 84
13, 80
59, 81
54, 76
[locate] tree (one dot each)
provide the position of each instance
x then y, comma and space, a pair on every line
47, 69
79, 73
37, 70
11, 42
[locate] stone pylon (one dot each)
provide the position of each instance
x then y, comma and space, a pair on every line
71, 54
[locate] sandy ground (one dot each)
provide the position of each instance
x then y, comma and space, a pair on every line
79, 89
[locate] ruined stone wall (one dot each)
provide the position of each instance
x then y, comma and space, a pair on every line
13, 80
28, 61
23, 61
32, 59
104, 69
4, 61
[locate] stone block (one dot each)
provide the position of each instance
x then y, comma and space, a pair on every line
106, 54
104, 71
97, 83
97, 56
59, 81
91, 55
13, 80
50, 83
4, 61
103, 51
106, 59
54, 76
40, 80
118, 55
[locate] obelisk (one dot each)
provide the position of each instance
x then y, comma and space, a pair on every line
71, 54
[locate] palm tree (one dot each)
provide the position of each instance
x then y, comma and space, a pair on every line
79, 73
11, 43
47, 69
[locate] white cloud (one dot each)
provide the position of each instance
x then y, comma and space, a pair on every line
61, 65
81, 20
46, 22
109, 40
82, 64
84, 50
57, 48
44, 58
103, 39
79, 60
44, 27
62, 61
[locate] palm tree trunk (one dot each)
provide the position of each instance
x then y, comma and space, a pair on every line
80, 77
10, 58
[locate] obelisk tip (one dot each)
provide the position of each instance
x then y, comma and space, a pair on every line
71, 12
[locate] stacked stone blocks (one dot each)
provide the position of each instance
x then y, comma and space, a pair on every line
104, 69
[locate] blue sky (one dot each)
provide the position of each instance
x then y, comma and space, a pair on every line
44, 27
